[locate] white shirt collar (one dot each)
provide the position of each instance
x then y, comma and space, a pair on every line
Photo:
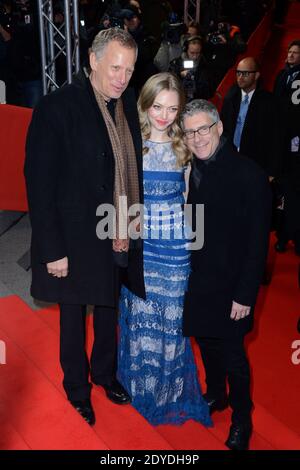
249, 94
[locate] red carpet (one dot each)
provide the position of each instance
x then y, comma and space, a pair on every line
31, 379
270, 345
34, 413
280, 306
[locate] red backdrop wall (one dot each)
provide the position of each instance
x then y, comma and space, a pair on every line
14, 123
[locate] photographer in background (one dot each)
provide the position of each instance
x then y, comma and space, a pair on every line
170, 47
210, 11
223, 43
24, 54
246, 13
147, 46
191, 67
155, 13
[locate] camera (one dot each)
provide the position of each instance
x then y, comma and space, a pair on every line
189, 85
172, 32
222, 29
214, 38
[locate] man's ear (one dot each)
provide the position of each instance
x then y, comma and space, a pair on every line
257, 75
93, 61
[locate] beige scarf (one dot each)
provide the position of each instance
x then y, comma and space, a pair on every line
126, 185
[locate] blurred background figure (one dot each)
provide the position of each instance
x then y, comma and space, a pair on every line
24, 53
155, 12
288, 90
146, 42
224, 42
192, 69
171, 45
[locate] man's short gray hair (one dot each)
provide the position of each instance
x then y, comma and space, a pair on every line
112, 34
199, 106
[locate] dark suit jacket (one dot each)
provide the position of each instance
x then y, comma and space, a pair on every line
69, 172
289, 99
262, 136
237, 207
285, 90
290, 179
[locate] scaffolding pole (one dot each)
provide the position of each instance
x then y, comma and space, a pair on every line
58, 41
191, 11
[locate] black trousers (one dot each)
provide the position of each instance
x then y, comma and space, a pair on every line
225, 360
73, 357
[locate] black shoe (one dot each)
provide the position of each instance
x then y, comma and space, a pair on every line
280, 247
117, 393
216, 404
239, 437
84, 407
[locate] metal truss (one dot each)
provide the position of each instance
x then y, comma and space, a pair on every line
191, 11
58, 42
2, 92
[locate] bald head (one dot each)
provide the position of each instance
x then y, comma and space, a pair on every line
247, 74
250, 63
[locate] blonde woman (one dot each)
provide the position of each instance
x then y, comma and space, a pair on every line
156, 363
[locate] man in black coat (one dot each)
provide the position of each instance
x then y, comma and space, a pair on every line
255, 130
283, 87
287, 89
260, 136
84, 147
226, 272
196, 80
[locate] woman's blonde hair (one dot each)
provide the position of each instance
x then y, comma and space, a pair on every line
153, 86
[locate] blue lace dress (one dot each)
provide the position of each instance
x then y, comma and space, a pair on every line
156, 363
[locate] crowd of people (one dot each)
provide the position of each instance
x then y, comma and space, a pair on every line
156, 26
157, 211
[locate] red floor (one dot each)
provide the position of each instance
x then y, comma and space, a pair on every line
34, 413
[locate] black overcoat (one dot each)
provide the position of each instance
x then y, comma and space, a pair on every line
69, 171
289, 95
262, 136
237, 208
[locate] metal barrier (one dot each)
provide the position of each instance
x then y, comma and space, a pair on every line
2, 92
62, 41
191, 11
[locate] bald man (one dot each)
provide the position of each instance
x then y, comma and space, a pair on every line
251, 118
